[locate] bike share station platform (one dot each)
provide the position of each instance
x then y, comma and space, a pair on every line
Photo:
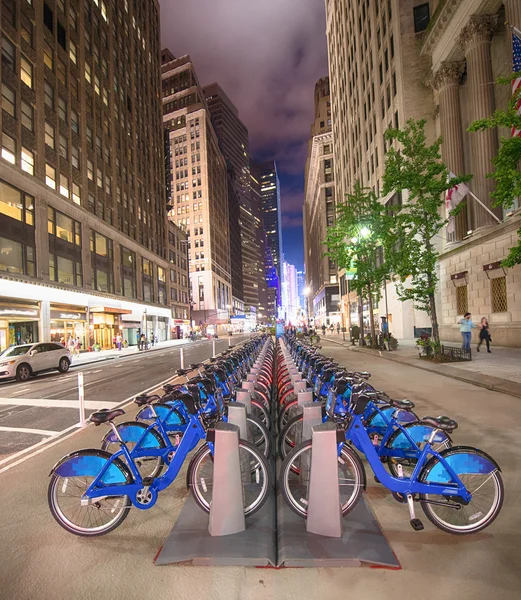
275, 536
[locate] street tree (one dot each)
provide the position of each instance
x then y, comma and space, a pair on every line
355, 243
416, 166
506, 164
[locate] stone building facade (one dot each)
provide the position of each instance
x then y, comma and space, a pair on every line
319, 213
469, 46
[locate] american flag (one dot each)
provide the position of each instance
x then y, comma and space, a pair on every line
516, 62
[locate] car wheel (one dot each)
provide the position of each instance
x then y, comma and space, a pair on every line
23, 372
64, 365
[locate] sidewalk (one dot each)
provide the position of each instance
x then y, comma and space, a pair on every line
86, 358
499, 371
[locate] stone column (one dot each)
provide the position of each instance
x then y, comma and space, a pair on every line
513, 13
475, 39
447, 81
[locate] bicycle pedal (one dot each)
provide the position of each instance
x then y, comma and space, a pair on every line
417, 525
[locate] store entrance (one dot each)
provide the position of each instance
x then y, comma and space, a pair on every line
103, 334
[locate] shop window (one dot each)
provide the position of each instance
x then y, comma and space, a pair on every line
462, 299
498, 293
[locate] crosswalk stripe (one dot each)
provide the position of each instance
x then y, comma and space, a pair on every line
50, 403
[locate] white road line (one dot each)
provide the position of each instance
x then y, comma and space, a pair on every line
49, 403
44, 432
98, 371
42, 446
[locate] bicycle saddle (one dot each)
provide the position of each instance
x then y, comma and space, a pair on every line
183, 371
195, 366
144, 399
442, 422
105, 415
404, 404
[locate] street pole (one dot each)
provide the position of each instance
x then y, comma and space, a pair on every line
81, 398
387, 315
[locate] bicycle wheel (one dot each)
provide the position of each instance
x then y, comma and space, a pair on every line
287, 412
290, 436
481, 477
295, 472
131, 432
67, 489
255, 472
419, 434
259, 435
259, 410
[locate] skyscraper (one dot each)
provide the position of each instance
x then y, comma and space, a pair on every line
266, 174
82, 203
233, 138
319, 212
290, 300
260, 242
198, 184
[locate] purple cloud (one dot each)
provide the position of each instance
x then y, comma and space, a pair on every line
267, 56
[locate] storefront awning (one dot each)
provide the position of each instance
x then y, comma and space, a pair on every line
110, 310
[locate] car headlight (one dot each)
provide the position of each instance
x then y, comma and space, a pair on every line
9, 362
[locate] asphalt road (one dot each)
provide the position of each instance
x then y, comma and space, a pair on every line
47, 405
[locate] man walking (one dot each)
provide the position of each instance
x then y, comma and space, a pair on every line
465, 326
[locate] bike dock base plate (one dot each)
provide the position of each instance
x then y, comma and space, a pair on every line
362, 544
190, 540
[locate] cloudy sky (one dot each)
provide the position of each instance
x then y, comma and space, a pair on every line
267, 56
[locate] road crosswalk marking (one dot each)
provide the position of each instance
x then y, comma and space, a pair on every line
50, 403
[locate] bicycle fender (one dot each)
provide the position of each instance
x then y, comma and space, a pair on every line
81, 464
476, 461
130, 432
419, 434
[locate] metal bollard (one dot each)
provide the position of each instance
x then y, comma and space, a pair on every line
324, 510
312, 415
227, 506
182, 357
213, 348
304, 397
237, 416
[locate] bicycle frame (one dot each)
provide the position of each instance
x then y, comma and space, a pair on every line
357, 434
97, 489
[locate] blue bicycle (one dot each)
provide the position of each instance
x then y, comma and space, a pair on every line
460, 488
91, 491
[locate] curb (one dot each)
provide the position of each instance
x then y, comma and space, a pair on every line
495, 384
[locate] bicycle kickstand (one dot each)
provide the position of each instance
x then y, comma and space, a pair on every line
416, 524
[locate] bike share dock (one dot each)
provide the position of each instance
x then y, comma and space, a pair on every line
275, 536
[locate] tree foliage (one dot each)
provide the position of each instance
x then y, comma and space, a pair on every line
506, 164
355, 242
411, 251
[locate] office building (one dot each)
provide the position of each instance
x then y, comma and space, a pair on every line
198, 201
293, 313
377, 81
469, 46
260, 243
179, 282
267, 176
319, 213
233, 137
83, 230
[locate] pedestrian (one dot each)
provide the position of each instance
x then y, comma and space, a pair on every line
119, 340
77, 346
71, 344
142, 342
484, 334
324, 329
465, 326
338, 328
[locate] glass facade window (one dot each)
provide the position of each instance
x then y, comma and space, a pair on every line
102, 263
128, 273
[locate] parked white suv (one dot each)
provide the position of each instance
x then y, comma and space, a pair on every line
29, 359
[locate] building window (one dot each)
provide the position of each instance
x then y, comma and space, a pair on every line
49, 135
8, 54
64, 152
48, 56
49, 95
498, 293
462, 299
102, 263
11, 256
75, 122
15, 205
27, 116
64, 185
8, 100
26, 30
75, 152
421, 17
8, 149
128, 272
27, 161
73, 53
26, 72
50, 176
62, 109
